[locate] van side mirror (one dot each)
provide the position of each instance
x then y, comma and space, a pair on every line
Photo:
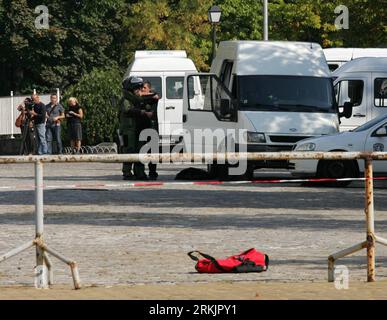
347, 110
381, 132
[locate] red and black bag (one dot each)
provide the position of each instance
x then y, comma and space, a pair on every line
248, 261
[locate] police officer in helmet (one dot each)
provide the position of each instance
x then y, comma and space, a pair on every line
133, 119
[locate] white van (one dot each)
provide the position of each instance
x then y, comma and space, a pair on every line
280, 92
362, 83
336, 57
165, 70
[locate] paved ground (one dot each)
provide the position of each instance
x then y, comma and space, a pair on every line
220, 290
140, 236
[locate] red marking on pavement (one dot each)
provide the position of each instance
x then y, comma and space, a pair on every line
174, 183
199, 183
148, 184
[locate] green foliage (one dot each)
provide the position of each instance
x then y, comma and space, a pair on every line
88, 46
103, 33
367, 24
95, 92
80, 38
168, 24
241, 20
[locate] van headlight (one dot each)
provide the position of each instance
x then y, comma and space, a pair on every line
255, 137
306, 147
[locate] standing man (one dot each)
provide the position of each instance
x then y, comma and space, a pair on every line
38, 114
130, 117
55, 113
151, 100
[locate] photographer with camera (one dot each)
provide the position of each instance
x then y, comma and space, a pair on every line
24, 122
38, 114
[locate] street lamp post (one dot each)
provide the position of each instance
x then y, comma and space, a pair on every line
265, 20
214, 16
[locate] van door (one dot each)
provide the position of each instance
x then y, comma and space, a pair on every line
218, 110
173, 111
379, 94
353, 90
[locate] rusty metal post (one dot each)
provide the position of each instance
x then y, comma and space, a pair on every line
41, 268
72, 264
39, 214
16, 251
371, 239
331, 269
48, 262
75, 274
381, 240
341, 254
369, 211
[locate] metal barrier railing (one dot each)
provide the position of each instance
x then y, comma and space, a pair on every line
43, 261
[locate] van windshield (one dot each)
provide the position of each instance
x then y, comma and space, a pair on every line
286, 93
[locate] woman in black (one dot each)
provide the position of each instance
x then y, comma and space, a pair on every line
74, 117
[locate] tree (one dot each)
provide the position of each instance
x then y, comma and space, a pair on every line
91, 34
170, 25
83, 35
367, 24
246, 15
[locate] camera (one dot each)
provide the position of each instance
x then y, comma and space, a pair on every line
29, 104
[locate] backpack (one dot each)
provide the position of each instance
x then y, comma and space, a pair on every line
19, 120
248, 261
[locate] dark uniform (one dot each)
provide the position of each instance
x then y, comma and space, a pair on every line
129, 116
151, 103
133, 120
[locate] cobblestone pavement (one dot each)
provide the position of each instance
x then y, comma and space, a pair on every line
141, 235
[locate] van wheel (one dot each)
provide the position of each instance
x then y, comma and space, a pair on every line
221, 172
218, 171
211, 169
337, 169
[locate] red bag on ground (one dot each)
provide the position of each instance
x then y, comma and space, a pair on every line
248, 261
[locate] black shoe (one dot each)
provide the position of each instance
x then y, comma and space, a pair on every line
128, 177
153, 176
141, 178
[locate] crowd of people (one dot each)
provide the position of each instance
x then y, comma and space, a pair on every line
40, 125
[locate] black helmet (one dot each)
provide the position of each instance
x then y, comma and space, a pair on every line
132, 83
